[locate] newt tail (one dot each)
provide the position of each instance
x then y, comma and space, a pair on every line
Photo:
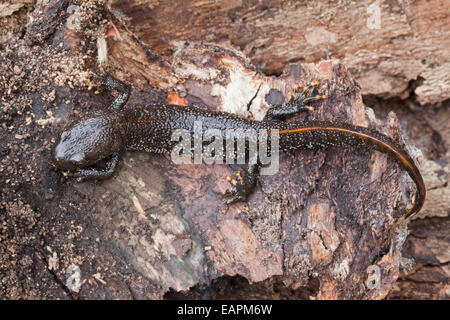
342, 134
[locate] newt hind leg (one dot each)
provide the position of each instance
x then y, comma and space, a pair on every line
243, 184
298, 101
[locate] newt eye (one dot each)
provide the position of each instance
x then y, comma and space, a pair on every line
80, 163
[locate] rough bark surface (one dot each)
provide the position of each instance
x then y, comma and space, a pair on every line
326, 226
384, 44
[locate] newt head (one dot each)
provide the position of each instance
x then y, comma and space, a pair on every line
85, 142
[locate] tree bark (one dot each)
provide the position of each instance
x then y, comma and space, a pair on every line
385, 45
325, 227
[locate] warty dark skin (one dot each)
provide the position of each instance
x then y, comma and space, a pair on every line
103, 134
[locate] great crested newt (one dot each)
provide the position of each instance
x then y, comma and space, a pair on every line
103, 134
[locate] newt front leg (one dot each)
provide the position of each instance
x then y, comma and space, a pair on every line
111, 164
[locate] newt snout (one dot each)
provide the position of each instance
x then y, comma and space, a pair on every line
86, 142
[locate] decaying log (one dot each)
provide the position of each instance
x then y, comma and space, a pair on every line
385, 45
319, 223
426, 252
327, 226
